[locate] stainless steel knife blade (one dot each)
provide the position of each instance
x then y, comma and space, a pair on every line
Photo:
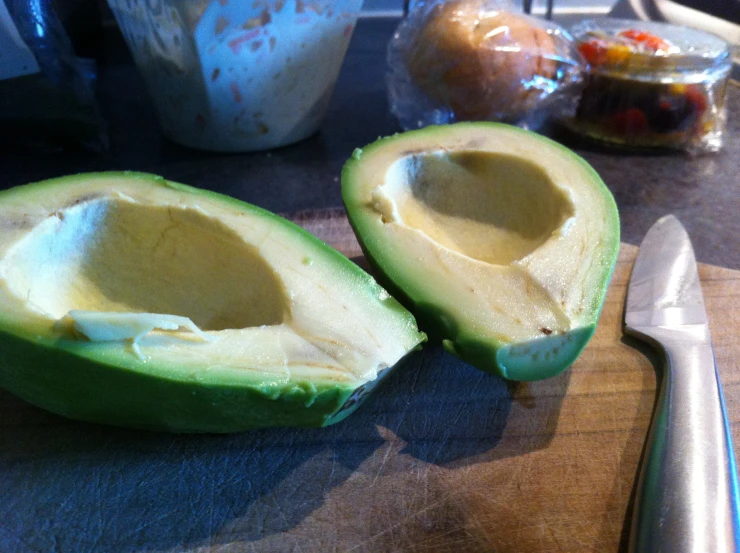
687, 493
664, 288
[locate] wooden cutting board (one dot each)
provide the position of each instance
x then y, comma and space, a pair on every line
443, 458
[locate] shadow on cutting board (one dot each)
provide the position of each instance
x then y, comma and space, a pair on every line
71, 486
450, 414
633, 452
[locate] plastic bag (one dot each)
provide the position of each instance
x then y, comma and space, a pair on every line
466, 60
46, 93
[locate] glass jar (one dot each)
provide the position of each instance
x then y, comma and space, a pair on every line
652, 85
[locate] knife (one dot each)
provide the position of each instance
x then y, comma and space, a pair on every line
687, 492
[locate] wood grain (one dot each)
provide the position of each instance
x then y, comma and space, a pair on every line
443, 458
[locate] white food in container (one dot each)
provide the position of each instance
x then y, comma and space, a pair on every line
237, 76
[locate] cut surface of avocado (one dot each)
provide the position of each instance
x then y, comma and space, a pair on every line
131, 300
500, 241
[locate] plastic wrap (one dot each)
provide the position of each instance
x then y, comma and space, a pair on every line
467, 60
652, 85
46, 93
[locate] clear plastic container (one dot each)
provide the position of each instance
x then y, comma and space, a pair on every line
652, 85
238, 76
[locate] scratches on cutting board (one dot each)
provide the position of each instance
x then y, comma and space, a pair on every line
400, 534
442, 459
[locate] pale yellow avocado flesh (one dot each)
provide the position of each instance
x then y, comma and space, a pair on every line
116, 254
172, 282
505, 239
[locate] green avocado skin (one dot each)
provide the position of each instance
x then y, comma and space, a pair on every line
542, 358
66, 384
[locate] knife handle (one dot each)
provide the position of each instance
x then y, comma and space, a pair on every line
687, 493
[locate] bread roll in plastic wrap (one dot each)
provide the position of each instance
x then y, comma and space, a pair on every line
466, 60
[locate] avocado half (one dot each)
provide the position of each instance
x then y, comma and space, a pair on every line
500, 241
131, 300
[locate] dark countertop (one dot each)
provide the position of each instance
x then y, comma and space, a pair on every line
703, 192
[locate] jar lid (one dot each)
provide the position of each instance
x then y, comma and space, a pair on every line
647, 47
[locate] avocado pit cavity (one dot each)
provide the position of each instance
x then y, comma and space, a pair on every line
492, 207
120, 269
